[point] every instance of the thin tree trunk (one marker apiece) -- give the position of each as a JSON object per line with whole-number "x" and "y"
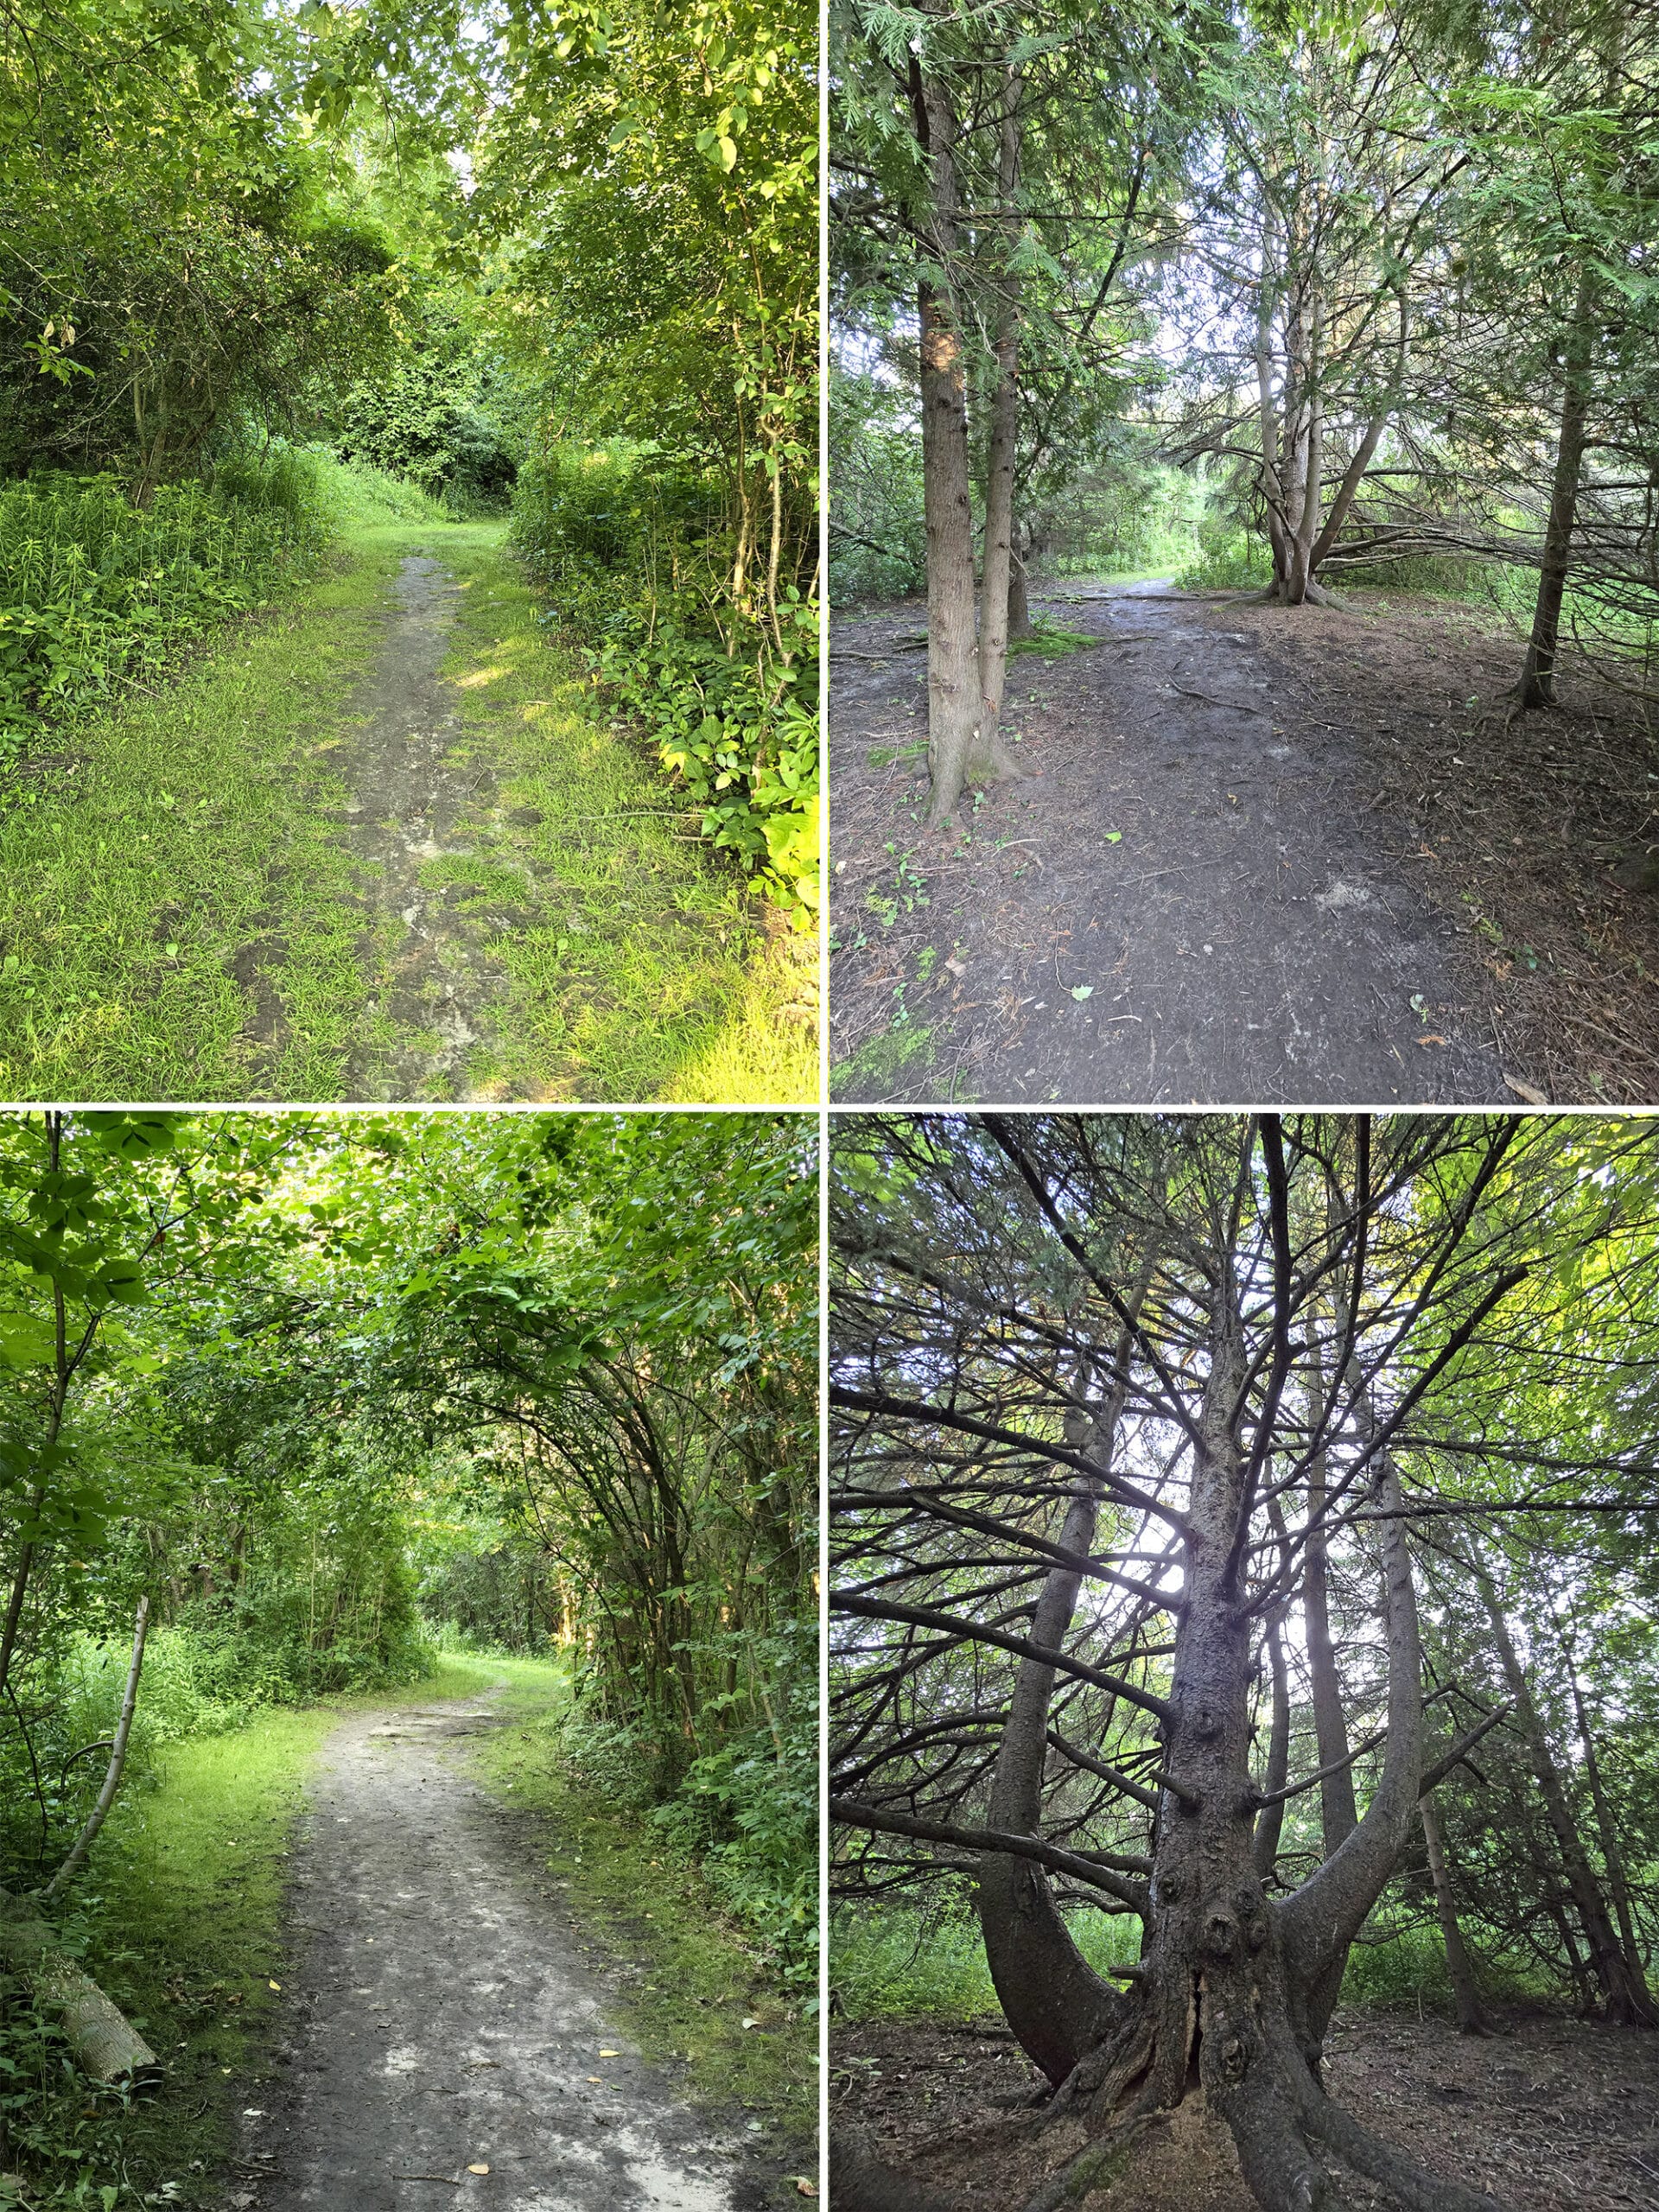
{"x": 1459, "y": 1967}
{"x": 1004, "y": 430}
{"x": 99, "y": 1812}
{"x": 1624, "y": 1993}
{"x": 1020, "y": 592}
{"x": 1606, "y": 1826}
{"x": 1270, "y": 1820}
{"x": 1538, "y": 670}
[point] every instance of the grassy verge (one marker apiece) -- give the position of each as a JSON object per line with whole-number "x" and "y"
{"x": 180, "y": 1923}
{"x": 693, "y": 1997}
{"x": 177, "y": 837}
{"x": 640, "y": 967}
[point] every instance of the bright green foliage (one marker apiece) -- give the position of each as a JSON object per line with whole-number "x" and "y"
{"x": 94, "y": 589}
{"x": 433, "y": 415}
{"x": 175, "y": 253}
{"x": 283, "y": 1376}
{"x": 653, "y": 173}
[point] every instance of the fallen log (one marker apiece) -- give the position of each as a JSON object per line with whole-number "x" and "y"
{"x": 106, "y": 2046}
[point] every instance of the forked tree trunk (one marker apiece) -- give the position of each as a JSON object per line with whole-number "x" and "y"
{"x": 1226, "y": 2000}
{"x": 960, "y": 750}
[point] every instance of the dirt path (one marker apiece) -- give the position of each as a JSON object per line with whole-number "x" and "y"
{"x": 440, "y": 2018}
{"x": 412, "y": 787}
{"x": 1210, "y": 890}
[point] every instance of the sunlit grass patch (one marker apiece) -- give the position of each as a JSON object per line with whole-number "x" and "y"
{"x": 190, "y": 841}
{"x": 642, "y": 968}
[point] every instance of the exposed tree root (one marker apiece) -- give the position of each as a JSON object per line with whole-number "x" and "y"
{"x": 1097, "y": 2165}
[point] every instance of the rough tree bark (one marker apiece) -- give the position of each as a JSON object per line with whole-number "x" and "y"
{"x": 104, "y": 2044}
{"x": 1052, "y": 1998}
{"x": 1459, "y": 1967}
{"x": 961, "y": 750}
{"x": 1004, "y": 426}
{"x": 1229, "y": 1994}
{"x": 1538, "y": 669}
{"x": 1019, "y": 594}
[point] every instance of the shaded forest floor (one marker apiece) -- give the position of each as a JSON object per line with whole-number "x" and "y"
{"x": 1261, "y": 854}
{"x": 377, "y": 844}
{"x": 1553, "y": 2112}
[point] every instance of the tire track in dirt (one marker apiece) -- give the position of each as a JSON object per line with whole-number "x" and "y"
{"x": 1186, "y": 902}
{"x": 439, "y": 2019}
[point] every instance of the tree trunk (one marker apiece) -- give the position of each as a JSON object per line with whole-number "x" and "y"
{"x": 99, "y": 1812}
{"x": 1459, "y": 1967}
{"x": 105, "y": 2046}
{"x": 1624, "y": 1993}
{"x": 1052, "y": 1999}
{"x": 1019, "y": 590}
{"x": 1004, "y": 431}
{"x": 1538, "y": 670}
{"x": 960, "y": 750}
{"x": 1222, "y": 2003}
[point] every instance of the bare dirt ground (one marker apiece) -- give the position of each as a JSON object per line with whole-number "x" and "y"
{"x": 1553, "y": 2112}
{"x": 441, "y": 2018}
{"x": 1261, "y": 854}
{"x": 412, "y": 791}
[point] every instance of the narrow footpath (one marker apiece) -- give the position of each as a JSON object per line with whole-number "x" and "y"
{"x": 445, "y": 2044}
{"x": 383, "y": 844}
{"x": 1211, "y": 885}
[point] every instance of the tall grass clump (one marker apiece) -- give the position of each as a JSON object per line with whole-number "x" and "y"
{"x": 637, "y": 556}
{"x": 96, "y": 591}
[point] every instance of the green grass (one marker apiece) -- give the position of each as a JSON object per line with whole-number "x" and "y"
{"x": 189, "y": 841}
{"x": 900, "y": 1963}
{"x": 189, "y": 826}
{"x": 179, "y": 1921}
{"x": 635, "y": 1900}
{"x": 643, "y": 969}
{"x": 1051, "y": 639}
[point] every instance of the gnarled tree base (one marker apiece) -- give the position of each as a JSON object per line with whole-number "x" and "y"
{"x": 1296, "y": 2150}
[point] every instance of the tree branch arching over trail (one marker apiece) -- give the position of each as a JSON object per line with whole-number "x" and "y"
{"x": 1140, "y": 1422}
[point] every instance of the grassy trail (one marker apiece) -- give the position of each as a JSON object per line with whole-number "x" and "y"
{"x": 187, "y": 909}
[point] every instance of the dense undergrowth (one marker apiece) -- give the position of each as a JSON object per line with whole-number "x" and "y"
{"x": 914, "y": 1962}
{"x": 96, "y": 590}
{"x": 636, "y": 554}
{"x": 721, "y": 1997}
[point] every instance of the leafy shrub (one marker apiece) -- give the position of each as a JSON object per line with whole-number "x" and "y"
{"x": 95, "y": 590}
{"x": 1230, "y": 556}
{"x": 635, "y": 555}
{"x": 750, "y": 1810}
{"x": 433, "y": 417}
{"x": 925, "y": 1961}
